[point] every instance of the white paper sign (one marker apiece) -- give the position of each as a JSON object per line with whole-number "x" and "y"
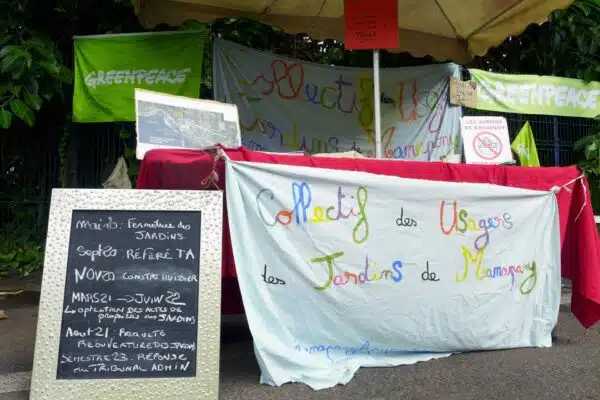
{"x": 289, "y": 105}
{"x": 486, "y": 140}
{"x": 165, "y": 121}
{"x": 343, "y": 269}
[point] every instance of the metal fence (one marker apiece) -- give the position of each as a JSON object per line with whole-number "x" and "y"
{"x": 31, "y": 167}
{"x": 29, "y": 171}
{"x": 25, "y": 191}
{"x": 554, "y": 136}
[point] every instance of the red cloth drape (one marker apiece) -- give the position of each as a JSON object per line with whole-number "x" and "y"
{"x": 186, "y": 169}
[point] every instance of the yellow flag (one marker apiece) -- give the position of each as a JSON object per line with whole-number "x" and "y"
{"x": 524, "y": 146}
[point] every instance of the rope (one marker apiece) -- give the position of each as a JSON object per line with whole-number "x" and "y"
{"x": 212, "y": 180}
{"x": 557, "y": 189}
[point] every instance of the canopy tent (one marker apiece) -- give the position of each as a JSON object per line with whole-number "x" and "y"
{"x": 444, "y": 29}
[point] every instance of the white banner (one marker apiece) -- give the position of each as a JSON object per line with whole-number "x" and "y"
{"x": 343, "y": 269}
{"x": 288, "y": 105}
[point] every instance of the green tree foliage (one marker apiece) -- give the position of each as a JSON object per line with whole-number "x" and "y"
{"x": 36, "y": 50}
{"x": 566, "y": 45}
{"x": 31, "y": 69}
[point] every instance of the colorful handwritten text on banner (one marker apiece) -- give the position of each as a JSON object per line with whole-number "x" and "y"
{"x": 532, "y": 94}
{"x": 343, "y": 269}
{"x": 286, "y": 105}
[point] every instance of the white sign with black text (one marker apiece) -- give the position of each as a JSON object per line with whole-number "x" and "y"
{"x": 486, "y": 140}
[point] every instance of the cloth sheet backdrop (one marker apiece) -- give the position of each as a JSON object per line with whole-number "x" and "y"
{"x": 534, "y": 94}
{"x": 187, "y": 169}
{"x": 289, "y": 105}
{"x": 108, "y": 68}
{"x": 344, "y": 269}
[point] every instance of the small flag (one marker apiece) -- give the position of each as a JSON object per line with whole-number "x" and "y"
{"x": 524, "y": 146}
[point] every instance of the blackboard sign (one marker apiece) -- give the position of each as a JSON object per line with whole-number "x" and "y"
{"x": 131, "y": 295}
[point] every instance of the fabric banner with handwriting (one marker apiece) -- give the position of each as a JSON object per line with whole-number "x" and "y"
{"x": 286, "y": 105}
{"x": 533, "y": 94}
{"x": 108, "y": 68}
{"x": 343, "y": 269}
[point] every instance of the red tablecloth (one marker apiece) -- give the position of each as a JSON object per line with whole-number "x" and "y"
{"x": 187, "y": 169}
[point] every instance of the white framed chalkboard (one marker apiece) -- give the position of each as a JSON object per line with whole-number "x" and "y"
{"x": 131, "y": 292}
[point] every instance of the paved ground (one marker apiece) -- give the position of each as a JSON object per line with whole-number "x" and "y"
{"x": 568, "y": 370}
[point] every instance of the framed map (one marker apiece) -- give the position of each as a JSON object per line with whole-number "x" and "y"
{"x": 175, "y": 122}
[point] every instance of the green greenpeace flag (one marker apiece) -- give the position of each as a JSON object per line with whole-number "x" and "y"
{"x": 534, "y": 94}
{"x": 109, "y": 67}
{"x": 524, "y": 146}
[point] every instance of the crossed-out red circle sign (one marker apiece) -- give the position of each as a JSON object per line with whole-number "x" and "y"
{"x": 487, "y": 145}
